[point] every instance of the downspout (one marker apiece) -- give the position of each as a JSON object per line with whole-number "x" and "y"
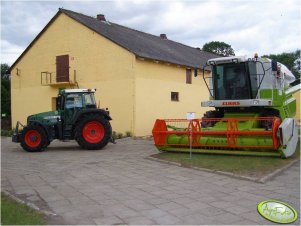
{"x": 133, "y": 129}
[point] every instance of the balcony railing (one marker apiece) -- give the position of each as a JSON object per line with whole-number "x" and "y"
{"x": 50, "y": 79}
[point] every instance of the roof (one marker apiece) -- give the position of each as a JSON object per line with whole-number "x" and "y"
{"x": 141, "y": 44}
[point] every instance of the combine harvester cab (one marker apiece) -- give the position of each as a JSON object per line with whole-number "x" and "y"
{"x": 254, "y": 110}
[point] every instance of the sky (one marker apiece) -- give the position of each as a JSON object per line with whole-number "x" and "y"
{"x": 249, "y": 26}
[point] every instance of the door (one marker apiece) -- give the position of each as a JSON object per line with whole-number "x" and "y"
{"x": 73, "y": 104}
{"x": 62, "y": 68}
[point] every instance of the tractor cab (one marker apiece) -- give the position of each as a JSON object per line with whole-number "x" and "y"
{"x": 75, "y": 99}
{"x": 234, "y": 78}
{"x": 71, "y": 101}
{"x": 234, "y": 81}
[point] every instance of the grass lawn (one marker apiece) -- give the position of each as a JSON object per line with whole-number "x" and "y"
{"x": 253, "y": 166}
{"x": 14, "y": 213}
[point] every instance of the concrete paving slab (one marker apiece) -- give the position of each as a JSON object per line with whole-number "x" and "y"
{"x": 139, "y": 221}
{"x": 108, "y": 221}
{"x": 167, "y": 219}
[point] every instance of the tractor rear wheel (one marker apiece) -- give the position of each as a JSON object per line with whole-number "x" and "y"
{"x": 93, "y": 132}
{"x": 33, "y": 138}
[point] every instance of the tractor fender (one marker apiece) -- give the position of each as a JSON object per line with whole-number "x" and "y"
{"x": 102, "y": 112}
{"x": 47, "y": 129}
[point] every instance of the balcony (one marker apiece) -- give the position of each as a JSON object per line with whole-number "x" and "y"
{"x": 50, "y": 79}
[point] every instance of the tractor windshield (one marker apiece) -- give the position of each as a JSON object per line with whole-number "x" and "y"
{"x": 80, "y": 100}
{"x": 231, "y": 82}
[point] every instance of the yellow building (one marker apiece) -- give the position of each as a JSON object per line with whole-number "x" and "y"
{"x": 139, "y": 77}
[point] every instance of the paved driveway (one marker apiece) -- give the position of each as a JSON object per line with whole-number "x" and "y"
{"x": 118, "y": 185}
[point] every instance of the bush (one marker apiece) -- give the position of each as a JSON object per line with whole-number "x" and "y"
{"x": 128, "y": 134}
{"x": 6, "y": 133}
{"x": 114, "y": 135}
{"x": 6, "y": 123}
{"x": 119, "y": 135}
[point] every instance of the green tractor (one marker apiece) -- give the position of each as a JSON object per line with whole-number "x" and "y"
{"x": 76, "y": 118}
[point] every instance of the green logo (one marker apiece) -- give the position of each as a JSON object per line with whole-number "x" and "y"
{"x": 278, "y": 212}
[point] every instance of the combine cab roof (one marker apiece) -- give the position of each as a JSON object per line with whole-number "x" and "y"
{"x": 225, "y": 60}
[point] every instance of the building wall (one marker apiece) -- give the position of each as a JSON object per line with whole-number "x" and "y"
{"x": 94, "y": 59}
{"x": 154, "y": 84}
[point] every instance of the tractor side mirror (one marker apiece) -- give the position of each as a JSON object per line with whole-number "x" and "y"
{"x": 195, "y": 72}
{"x": 274, "y": 65}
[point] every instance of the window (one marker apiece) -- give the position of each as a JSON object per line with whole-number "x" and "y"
{"x": 174, "y": 96}
{"x": 188, "y": 76}
{"x": 89, "y": 99}
{"x": 230, "y": 82}
{"x": 74, "y": 101}
{"x": 254, "y": 78}
{"x": 53, "y": 103}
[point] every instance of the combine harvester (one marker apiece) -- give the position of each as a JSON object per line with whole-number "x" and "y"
{"x": 254, "y": 110}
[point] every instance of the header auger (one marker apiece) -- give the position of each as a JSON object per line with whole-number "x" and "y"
{"x": 254, "y": 110}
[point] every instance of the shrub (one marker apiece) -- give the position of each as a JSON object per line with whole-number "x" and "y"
{"x": 128, "y": 134}
{"x": 119, "y": 135}
{"x": 6, "y": 133}
{"x": 114, "y": 135}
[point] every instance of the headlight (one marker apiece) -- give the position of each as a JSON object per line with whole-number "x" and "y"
{"x": 255, "y": 102}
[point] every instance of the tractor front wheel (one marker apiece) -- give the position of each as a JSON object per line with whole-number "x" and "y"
{"x": 33, "y": 138}
{"x": 93, "y": 132}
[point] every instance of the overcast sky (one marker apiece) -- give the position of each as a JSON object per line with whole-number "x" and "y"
{"x": 248, "y": 26}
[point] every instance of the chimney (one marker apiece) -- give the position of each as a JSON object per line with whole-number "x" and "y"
{"x": 198, "y": 48}
{"x": 163, "y": 36}
{"x": 101, "y": 17}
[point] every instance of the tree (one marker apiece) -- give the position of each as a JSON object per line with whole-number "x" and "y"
{"x": 219, "y": 48}
{"x": 291, "y": 60}
{"x": 5, "y": 90}
{"x": 4, "y": 71}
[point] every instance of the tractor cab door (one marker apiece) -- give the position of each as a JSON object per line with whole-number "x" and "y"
{"x": 73, "y": 104}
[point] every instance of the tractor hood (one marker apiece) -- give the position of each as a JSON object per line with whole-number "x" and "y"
{"x": 49, "y": 117}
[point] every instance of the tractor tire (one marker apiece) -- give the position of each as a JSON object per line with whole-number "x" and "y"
{"x": 34, "y": 138}
{"x": 208, "y": 115}
{"x": 93, "y": 132}
{"x": 47, "y": 143}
